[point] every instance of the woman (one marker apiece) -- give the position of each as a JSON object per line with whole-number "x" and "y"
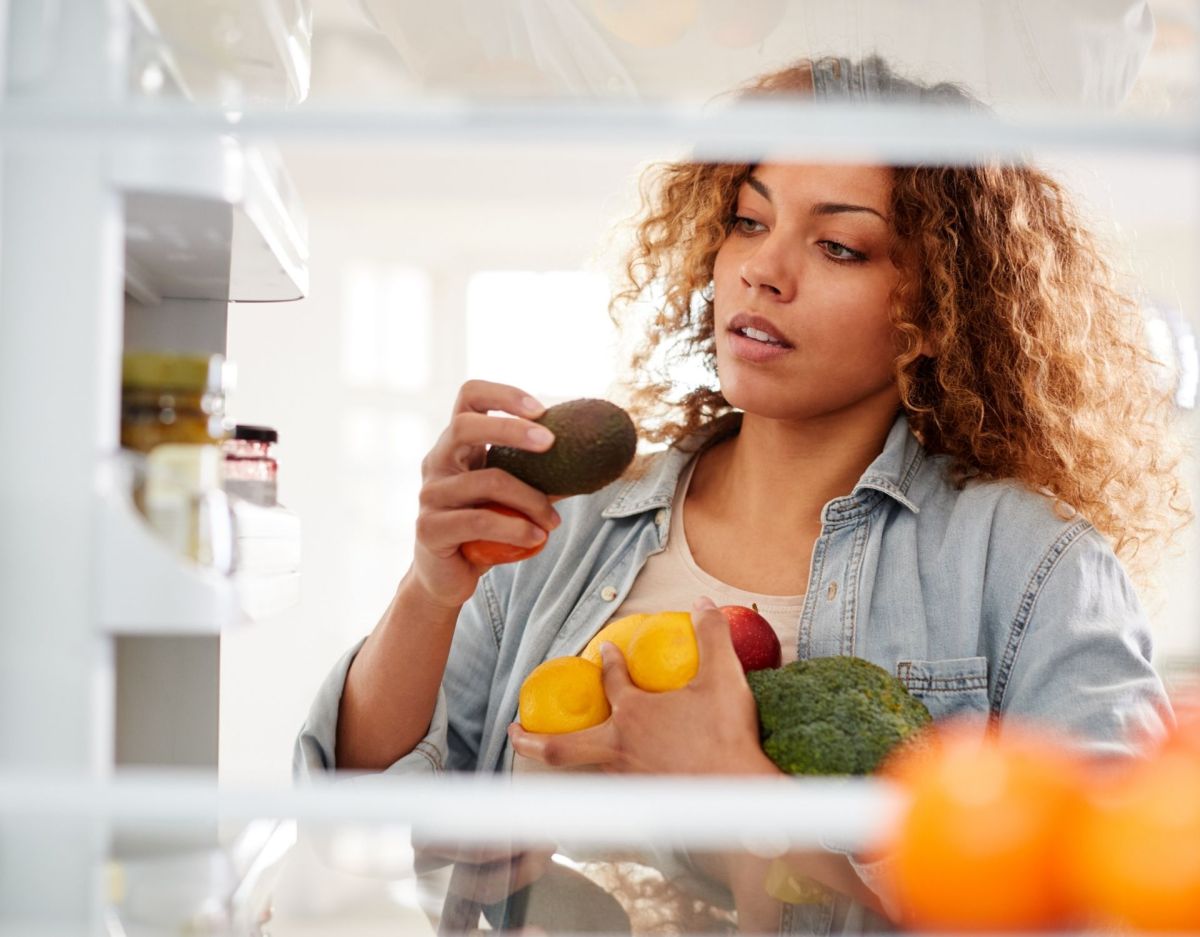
{"x": 932, "y": 440}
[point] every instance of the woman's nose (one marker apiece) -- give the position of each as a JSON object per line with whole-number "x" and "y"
{"x": 767, "y": 269}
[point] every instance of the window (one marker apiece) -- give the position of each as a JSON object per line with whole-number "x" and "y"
{"x": 386, "y": 313}
{"x": 547, "y": 333}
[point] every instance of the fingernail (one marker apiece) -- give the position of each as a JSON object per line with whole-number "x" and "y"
{"x": 555, "y": 518}
{"x": 703, "y": 604}
{"x": 538, "y": 535}
{"x": 532, "y": 406}
{"x": 540, "y": 436}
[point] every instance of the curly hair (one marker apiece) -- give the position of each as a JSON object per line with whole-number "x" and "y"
{"x": 1039, "y": 372}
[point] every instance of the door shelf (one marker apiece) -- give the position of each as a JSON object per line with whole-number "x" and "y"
{"x": 144, "y": 587}
{"x": 211, "y": 219}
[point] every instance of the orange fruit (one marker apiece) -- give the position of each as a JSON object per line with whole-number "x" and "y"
{"x": 618, "y": 632}
{"x": 493, "y": 552}
{"x": 662, "y": 652}
{"x": 1136, "y": 855}
{"x": 563, "y": 694}
{"x": 1186, "y": 734}
{"x": 979, "y": 847}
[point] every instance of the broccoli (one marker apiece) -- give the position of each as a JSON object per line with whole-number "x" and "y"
{"x": 833, "y": 715}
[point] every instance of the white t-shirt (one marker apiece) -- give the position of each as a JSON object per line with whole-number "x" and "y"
{"x": 672, "y": 581}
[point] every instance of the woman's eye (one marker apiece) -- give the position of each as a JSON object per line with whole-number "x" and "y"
{"x": 747, "y": 225}
{"x": 841, "y": 251}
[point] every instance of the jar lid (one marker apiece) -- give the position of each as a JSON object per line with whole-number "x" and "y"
{"x": 255, "y": 433}
{"x": 187, "y": 372}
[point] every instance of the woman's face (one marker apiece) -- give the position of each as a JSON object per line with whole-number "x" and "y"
{"x": 802, "y": 292}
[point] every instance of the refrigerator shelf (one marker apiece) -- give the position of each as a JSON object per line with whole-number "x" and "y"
{"x": 211, "y": 219}
{"x": 145, "y": 588}
{"x": 842, "y": 812}
{"x": 738, "y": 131}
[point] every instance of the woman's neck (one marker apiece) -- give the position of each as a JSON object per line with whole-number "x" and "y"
{"x": 777, "y": 475}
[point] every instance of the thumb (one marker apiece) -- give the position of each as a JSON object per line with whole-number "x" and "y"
{"x": 616, "y": 672}
{"x": 713, "y": 639}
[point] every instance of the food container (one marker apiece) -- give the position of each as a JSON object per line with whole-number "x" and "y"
{"x": 167, "y": 398}
{"x": 251, "y": 468}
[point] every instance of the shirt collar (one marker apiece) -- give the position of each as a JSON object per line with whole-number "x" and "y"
{"x": 891, "y": 473}
{"x": 896, "y": 466}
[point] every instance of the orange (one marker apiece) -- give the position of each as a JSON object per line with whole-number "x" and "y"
{"x": 618, "y": 632}
{"x": 979, "y": 845}
{"x": 493, "y": 552}
{"x": 1186, "y": 734}
{"x": 563, "y": 694}
{"x": 1136, "y": 857}
{"x": 662, "y": 652}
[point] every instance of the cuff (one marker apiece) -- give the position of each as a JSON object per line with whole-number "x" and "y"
{"x": 314, "y": 753}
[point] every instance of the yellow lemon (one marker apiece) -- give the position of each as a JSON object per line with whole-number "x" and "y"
{"x": 563, "y": 694}
{"x": 618, "y": 632}
{"x": 662, "y": 652}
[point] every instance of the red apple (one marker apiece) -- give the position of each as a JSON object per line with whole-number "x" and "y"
{"x": 754, "y": 640}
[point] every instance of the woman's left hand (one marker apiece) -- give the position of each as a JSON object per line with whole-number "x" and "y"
{"x": 709, "y": 726}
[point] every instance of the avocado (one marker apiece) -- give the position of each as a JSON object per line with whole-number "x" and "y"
{"x": 594, "y": 442}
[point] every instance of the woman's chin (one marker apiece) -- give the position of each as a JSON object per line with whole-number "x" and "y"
{"x": 760, "y": 394}
{"x": 767, "y": 405}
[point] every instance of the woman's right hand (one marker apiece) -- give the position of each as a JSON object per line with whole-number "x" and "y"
{"x": 455, "y": 485}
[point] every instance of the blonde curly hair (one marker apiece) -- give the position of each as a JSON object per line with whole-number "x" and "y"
{"x": 1040, "y": 371}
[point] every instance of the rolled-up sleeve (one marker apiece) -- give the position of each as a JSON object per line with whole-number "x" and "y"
{"x": 452, "y": 741}
{"x": 315, "y": 747}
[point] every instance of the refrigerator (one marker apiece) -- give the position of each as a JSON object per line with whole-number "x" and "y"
{"x": 357, "y": 205}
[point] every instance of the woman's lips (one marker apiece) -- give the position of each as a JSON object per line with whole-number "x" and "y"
{"x": 749, "y": 349}
{"x": 753, "y": 338}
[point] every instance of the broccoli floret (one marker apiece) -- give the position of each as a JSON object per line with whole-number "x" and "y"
{"x": 833, "y": 715}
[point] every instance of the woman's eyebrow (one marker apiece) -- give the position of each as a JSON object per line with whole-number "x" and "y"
{"x": 821, "y": 208}
{"x": 759, "y": 186}
{"x": 839, "y": 208}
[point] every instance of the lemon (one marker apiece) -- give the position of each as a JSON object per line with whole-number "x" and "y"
{"x": 662, "y": 652}
{"x": 618, "y": 632}
{"x": 563, "y": 694}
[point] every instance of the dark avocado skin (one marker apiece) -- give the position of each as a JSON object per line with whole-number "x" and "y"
{"x": 594, "y": 442}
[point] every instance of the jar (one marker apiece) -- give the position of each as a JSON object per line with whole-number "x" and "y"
{"x": 167, "y": 398}
{"x": 185, "y": 504}
{"x": 250, "y": 465}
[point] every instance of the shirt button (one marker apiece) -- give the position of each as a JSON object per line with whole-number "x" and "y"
{"x": 608, "y": 593}
{"x": 831, "y": 592}
{"x": 660, "y": 516}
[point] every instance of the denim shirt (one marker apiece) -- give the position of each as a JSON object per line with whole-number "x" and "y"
{"x": 982, "y": 600}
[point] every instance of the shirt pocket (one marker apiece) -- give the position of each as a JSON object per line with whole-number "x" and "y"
{"x": 956, "y": 687}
